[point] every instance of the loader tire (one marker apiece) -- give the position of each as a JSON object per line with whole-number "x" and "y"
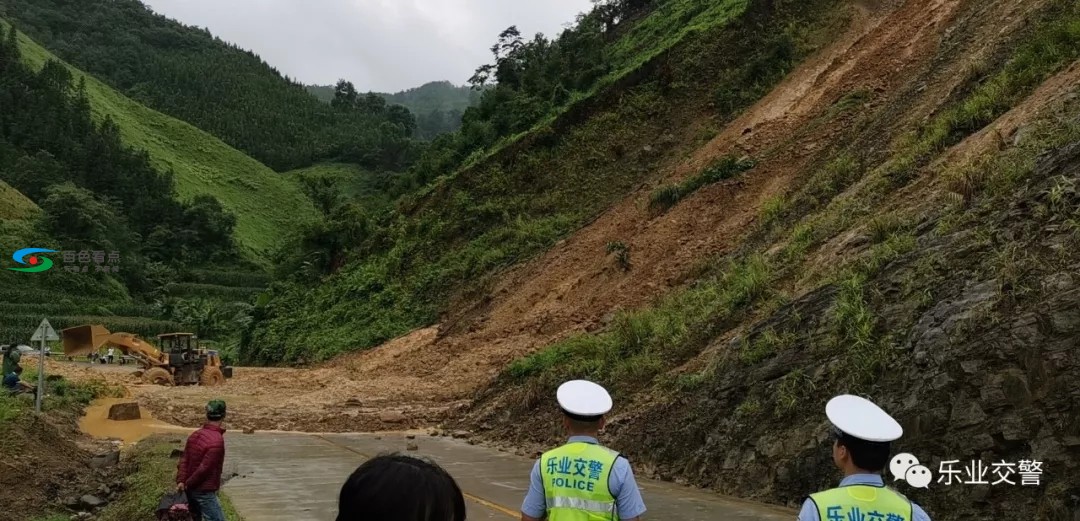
{"x": 158, "y": 376}
{"x": 211, "y": 376}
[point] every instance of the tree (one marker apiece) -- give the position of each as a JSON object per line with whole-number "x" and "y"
{"x": 79, "y": 219}
{"x": 344, "y": 95}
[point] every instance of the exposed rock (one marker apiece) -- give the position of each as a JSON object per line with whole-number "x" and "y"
{"x": 966, "y": 414}
{"x": 412, "y": 446}
{"x": 461, "y": 434}
{"x": 91, "y": 501}
{"x": 105, "y": 460}
{"x": 249, "y": 430}
{"x": 124, "y": 412}
{"x": 392, "y": 417}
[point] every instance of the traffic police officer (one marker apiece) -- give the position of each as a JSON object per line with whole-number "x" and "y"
{"x": 862, "y": 432}
{"x": 582, "y": 480}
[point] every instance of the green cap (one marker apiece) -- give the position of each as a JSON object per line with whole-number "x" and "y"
{"x": 215, "y": 410}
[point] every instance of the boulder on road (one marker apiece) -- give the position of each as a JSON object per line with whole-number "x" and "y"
{"x": 125, "y": 412}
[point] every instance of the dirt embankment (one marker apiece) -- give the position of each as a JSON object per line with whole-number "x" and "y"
{"x": 46, "y": 466}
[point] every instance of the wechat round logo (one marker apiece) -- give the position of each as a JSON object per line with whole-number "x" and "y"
{"x": 906, "y": 467}
{"x": 32, "y": 259}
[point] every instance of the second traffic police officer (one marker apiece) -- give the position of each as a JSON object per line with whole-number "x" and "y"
{"x": 582, "y": 480}
{"x": 862, "y": 432}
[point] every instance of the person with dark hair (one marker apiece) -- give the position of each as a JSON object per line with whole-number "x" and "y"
{"x": 198, "y": 473}
{"x": 582, "y": 480}
{"x": 397, "y": 487}
{"x": 862, "y": 433}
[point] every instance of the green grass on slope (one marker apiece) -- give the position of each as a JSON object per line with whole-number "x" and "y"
{"x": 151, "y": 476}
{"x": 266, "y": 204}
{"x": 15, "y": 205}
{"x": 354, "y": 183}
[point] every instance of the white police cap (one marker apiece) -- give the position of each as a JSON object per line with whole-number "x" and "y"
{"x": 860, "y": 418}
{"x": 583, "y": 398}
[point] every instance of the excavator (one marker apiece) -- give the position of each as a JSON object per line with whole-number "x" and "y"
{"x": 180, "y": 361}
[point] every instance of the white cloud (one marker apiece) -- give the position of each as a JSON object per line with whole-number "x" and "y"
{"x": 381, "y": 45}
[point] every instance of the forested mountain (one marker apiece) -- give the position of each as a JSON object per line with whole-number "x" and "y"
{"x": 438, "y": 105}
{"x": 188, "y": 73}
{"x": 95, "y": 192}
{"x": 384, "y": 274}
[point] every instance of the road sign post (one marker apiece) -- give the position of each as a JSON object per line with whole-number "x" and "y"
{"x": 43, "y": 333}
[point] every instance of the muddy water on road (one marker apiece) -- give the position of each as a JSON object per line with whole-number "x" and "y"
{"x": 96, "y": 423}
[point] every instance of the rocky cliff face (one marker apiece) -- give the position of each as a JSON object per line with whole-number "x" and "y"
{"x": 987, "y": 372}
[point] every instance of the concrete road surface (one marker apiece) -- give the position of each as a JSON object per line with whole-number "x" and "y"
{"x": 297, "y": 477}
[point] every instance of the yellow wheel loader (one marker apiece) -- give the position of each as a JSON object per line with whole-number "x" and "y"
{"x": 180, "y": 361}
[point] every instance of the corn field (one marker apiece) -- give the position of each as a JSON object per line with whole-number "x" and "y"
{"x": 213, "y": 291}
{"x": 19, "y": 328}
{"x": 234, "y": 279}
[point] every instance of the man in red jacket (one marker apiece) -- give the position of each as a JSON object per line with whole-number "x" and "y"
{"x": 199, "y": 471}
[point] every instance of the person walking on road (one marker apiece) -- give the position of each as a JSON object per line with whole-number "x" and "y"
{"x": 582, "y": 480}
{"x": 862, "y": 433}
{"x": 199, "y": 471}
{"x": 397, "y": 487}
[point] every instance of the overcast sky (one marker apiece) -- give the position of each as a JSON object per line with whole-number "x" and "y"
{"x": 379, "y": 45}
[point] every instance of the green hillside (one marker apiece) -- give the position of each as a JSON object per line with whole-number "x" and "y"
{"x": 438, "y": 105}
{"x": 15, "y": 205}
{"x": 188, "y": 73}
{"x": 371, "y": 190}
{"x": 203, "y": 165}
{"x": 509, "y": 202}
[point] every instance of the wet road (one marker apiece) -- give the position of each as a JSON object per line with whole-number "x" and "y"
{"x": 287, "y": 476}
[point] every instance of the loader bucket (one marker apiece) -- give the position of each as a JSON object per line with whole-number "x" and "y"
{"x": 83, "y": 340}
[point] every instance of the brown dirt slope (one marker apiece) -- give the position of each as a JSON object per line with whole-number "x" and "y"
{"x": 971, "y": 308}
{"x": 960, "y": 268}
{"x": 43, "y": 463}
{"x": 907, "y": 57}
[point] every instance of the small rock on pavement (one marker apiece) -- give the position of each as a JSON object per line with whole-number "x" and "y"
{"x": 90, "y": 501}
{"x": 412, "y": 446}
{"x": 410, "y": 436}
{"x": 461, "y": 434}
{"x": 434, "y": 433}
{"x": 125, "y": 412}
{"x": 249, "y": 430}
{"x": 107, "y": 459}
{"x": 392, "y": 417}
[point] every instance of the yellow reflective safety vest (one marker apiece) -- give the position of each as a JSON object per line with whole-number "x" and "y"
{"x": 862, "y": 503}
{"x": 576, "y": 482}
